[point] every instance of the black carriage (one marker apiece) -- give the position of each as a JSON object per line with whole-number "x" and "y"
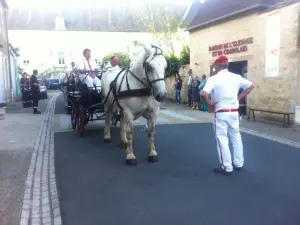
{"x": 85, "y": 104}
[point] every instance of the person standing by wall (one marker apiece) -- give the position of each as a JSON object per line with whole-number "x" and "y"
{"x": 195, "y": 94}
{"x": 190, "y": 82}
{"x": 178, "y": 89}
{"x": 35, "y": 92}
{"x": 24, "y": 86}
{"x": 203, "y": 106}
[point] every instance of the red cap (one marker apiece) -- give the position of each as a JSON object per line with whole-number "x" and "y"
{"x": 221, "y": 59}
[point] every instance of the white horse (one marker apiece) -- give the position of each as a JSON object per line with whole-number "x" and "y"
{"x": 136, "y": 91}
{"x": 64, "y": 82}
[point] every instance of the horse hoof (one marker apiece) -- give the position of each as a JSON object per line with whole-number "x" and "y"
{"x": 107, "y": 140}
{"x": 153, "y": 158}
{"x": 131, "y": 162}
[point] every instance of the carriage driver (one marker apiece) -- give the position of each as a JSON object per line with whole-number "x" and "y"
{"x": 112, "y": 64}
{"x": 86, "y": 63}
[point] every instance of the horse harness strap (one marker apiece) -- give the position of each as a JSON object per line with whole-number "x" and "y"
{"x": 142, "y": 92}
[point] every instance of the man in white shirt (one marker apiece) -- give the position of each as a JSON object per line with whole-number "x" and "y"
{"x": 223, "y": 89}
{"x": 86, "y": 63}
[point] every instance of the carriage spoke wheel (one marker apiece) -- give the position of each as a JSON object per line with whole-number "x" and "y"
{"x": 73, "y": 118}
{"x": 81, "y": 123}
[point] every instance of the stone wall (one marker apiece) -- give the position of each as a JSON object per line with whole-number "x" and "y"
{"x": 272, "y": 93}
{"x": 170, "y": 81}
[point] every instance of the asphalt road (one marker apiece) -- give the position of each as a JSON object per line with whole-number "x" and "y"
{"x": 97, "y": 188}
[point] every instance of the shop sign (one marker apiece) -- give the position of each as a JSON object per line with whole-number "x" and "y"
{"x": 232, "y": 47}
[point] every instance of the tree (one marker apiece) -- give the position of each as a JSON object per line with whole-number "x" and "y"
{"x": 185, "y": 55}
{"x": 165, "y": 27}
{"x": 173, "y": 65}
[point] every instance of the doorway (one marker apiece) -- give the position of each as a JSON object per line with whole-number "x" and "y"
{"x": 241, "y": 68}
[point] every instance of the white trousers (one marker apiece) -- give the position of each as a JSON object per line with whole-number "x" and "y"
{"x": 226, "y": 126}
{"x": 90, "y": 82}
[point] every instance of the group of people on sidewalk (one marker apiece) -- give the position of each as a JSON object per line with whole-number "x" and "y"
{"x": 195, "y": 100}
{"x": 194, "y": 87}
{"x": 30, "y": 89}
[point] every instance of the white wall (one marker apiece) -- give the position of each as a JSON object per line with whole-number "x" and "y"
{"x": 14, "y": 74}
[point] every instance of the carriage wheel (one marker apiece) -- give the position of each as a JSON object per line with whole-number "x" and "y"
{"x": 81, "y": 123}
{"x": 73, "y": 117}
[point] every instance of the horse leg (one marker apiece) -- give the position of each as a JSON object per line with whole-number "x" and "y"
{"x": 152, "y": 154}
{"x": 128, "y": 123}
{"x": 123, "y": 133}
{"x": 107, "y": 137}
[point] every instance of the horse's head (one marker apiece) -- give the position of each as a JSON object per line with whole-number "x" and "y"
{"x": 155, "y": 66}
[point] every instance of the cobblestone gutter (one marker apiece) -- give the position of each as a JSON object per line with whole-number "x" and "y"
{"x": 40, "y": 204}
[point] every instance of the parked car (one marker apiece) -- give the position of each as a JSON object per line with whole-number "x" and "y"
{"x": 43, "y": 89}
{"x": 53, "y": 84}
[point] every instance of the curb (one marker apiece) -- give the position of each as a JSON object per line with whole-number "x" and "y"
{"x": 40, "y": 202}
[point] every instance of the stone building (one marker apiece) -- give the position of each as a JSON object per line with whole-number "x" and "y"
{"x": 261, "y": 40}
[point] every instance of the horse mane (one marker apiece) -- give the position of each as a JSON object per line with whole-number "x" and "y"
{"x": 139, "y": 59}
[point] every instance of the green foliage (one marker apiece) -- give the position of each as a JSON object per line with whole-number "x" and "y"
{"x": 136, "y": 43}
{"x": 174, "y": 62}
{"x": 173, "y": 65}
{"x": 124, "y": 58}
{"x": 185, "y": 55}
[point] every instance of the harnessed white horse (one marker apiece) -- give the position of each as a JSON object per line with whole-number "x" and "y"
{"x": 136, "y": 91}
{"x": 64, "y": 82}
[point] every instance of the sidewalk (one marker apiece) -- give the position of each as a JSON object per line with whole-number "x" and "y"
{"x": 18, "y": 133}
{"x": 289, "y": 133}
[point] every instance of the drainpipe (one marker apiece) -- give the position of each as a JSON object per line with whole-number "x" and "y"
{"x": 8, "y": 51}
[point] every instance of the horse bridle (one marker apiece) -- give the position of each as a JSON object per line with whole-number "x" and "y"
{"x": 148, "y": 84}
{"x": 146, "y": 67}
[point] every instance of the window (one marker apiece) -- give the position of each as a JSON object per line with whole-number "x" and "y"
{"x": 25, "y": 61}
{"x": 61, "y": 58}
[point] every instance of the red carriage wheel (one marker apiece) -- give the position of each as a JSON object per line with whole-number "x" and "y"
{"x": 81, "y": 123}
{"x": 73, "y": 117}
